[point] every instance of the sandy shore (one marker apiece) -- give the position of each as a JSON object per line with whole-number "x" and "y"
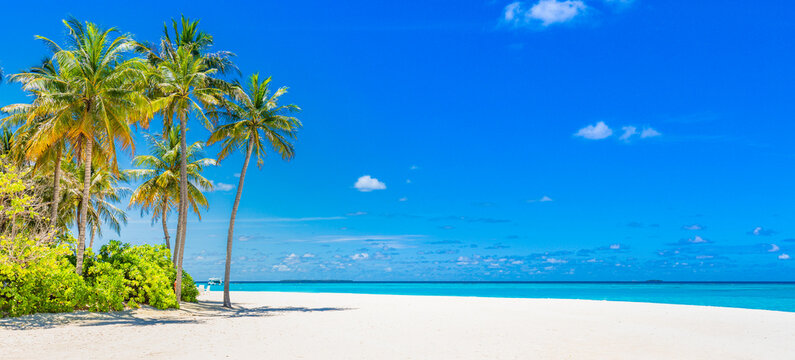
{"x": 349, "y": 326}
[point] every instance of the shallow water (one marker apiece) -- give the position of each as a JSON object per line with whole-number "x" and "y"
{"x": 766, "y": 296}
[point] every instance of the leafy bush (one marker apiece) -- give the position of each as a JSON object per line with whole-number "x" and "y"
{"x": 146, "y": 271}
{"x": 45, "y": 282}
{"x": 37, "y": 271}
{"x": 189, "y": 290}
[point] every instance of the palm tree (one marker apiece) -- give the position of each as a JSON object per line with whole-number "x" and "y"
{"x": 105, "y": 192}
{"x": 100, "y": 99}
{"x": 159, "y": 192}
{"x": 255, "y": 122}
{"x": 44, "y": 82}
{"x": 184, "y": 82}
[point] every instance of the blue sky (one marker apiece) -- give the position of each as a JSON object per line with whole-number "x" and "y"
{"x": 538, "y": 140}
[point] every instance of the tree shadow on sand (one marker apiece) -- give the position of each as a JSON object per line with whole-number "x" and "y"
{"x": 190, "y": 313}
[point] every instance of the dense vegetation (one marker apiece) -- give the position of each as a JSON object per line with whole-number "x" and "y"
{"x": 59, "y": 169}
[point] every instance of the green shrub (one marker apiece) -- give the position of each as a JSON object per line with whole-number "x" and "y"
{"x": 107, "y": 289}
{"x": 37, "y": 271}
{"x": 44, "y": 281}
{"x": 189, "y": 290}
{"x": 146, "y": 270}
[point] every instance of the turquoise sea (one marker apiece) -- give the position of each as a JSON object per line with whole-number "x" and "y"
{"x": 766, "y": 296}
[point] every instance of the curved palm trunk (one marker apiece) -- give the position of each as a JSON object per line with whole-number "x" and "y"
{"x": 56, "y": 191}
{"x": 93, "y": 232}
{"x": 165, "y": 225}
{"x": 81, "y": 237}
{"x": 231, "y": 233}
{"x": 183, "y": 203}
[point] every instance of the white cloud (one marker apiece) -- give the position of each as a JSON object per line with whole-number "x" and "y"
{"x": 280, "y": 268}
{"x": 360, "y": 256}
{"x": 595, "y": 132}
{"x": 291, "y": 259}
{"x": 221, "y": 186}
{"x": 367, "y": 183}
{"x": 615, "y": 246}
{"x": 414, "y": 167}
{"x": 556, "y": 261}
{"x": 783, "y": 257}
{"x": 697, "y": 240}
{"x": 548, "y": 12}
{"x": 542, "y": 199}
{"x": 628, "y": 132}
{"x": 553, "y": 11}
{"x": 649, "y": 132}
{"x": 308, "y": 255}
{"x": 773, "y": 248}
{"x": 632, "y": 131}
{"x": 693, "y": 227}
{"x": 403, "y": 199}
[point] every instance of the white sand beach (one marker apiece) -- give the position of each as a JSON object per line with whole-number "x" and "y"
{"x": 272, "y": 325}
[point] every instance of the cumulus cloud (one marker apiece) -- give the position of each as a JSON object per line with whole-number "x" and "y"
{"x": 649, "y": 132}
{"x": 615, "y": 246}
{"x": 308, "y": 256}
{"x": 367, "y": 183}
{"x": 221, "y": 186}
{"x": 773, "y": 248}
{"x": 628, "y": 132}
{"x": 280, "y": 268}
{"x": 692, "y": 241}
{"x": 595, "y": 132}
{"x": 631, "y": 132}
{"x": 556, "y": 261}
{"x": 291, "y": 259}
{"x": 545, "y": 12}
{"x": 360, "y": 256}
{"x": 542, "y": 199}
{"x": 760, "y": 231}
{"x": 698, "y": 240}
{"x": 783, "y": 257}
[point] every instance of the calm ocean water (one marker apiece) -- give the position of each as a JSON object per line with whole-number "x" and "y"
{"x": 767, "y": 296}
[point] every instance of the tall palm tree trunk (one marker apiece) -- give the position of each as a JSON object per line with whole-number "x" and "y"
{"x": 56, "y": 190}
{"x": 93, "y": 232}
{"x": 81, "y": 237}
{"x": 164, "y": 210}
{"x": 183, "y": 202}
{"x": 231, "y": 233}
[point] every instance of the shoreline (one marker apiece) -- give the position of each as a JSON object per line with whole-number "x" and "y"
{"x": 496, "y": 297}
{"x": 288, "y": 325}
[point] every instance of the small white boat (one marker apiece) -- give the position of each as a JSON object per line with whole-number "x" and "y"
{"x": 215, "y": 281}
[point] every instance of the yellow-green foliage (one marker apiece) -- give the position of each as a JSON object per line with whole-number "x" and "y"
{"x": 47, "y": 283}
{"x": 146, "y": 271}
{"x": 37, "y": 272}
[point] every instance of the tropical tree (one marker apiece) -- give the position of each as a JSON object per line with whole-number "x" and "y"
{"x": 105, "y": 192}
{"x": 255, "y": 122}
{"x": 45, "y": 82}
{"x": 101, "y": 99}
{"x": 184, "y": 82}
{"x": 160, "y": 173}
